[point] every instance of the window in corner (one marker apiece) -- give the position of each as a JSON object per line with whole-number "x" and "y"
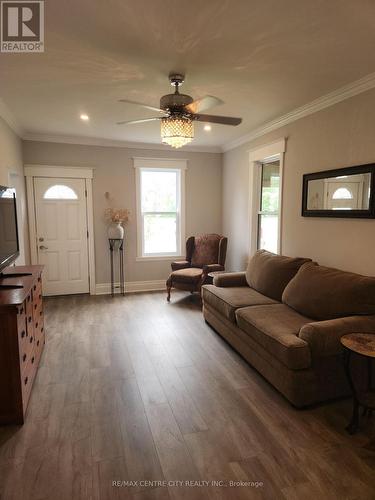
{"x": 269, "y": 207}
{"x": 60, "y": 192}
{"x": 159, "y": 211}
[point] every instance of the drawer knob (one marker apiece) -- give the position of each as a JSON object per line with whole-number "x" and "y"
{"x": 42, "y": 329}
{"x": 40, "y": 296}
{"x": 41, "y": 313}
{"x": 37, "y": 343}
{"x": 23, "y": 333}
{"x": 35, "y": 306}
{"x": 36, "y": 326}
{"x": 24, "y": 358}
{"x": 20, "y": 311}
{"x": 29, "y": 319}
{"x": 31, "y": 340}
{"x": 32, "y": 359}
{"x": 34, "y": 287}
{"x": 26, "y": 380}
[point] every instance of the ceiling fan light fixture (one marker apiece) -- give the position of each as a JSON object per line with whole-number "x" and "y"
{"x": 176, "y": 131}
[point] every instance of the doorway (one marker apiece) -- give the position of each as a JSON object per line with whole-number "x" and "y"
{"x": 60, "y": 217}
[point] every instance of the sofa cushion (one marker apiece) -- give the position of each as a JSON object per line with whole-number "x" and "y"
{"x": 327, "y": 293}
{"x": 227, "y": 300}
{"x": 275, "y": 327}
{"x": 269, "y": 273}
{"x": 188, "y": 275}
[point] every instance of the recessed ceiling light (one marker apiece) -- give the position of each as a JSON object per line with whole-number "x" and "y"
{"x": 207, "y": 128}
{"x": 84, "y": 117}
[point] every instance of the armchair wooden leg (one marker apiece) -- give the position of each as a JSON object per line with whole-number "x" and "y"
{"x": 169, "y": 293}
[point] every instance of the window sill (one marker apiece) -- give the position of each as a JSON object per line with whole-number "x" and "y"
{"x": 159, "y": 257}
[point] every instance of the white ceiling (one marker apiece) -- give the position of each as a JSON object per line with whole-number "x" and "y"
{"x": 263, "y": 58}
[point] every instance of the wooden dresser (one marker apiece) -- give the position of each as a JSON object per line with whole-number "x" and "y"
{"x": 21, "y": 341}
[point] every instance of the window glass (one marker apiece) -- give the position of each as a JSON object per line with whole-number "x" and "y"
{"x": 268, "y": 232}
{"x": 269, "y": 206}
{"x": 60, "y": 192}
{"x": 160, "y": 211}
{"x": 270, "y": 188}
{"x": 160, "y": 233}
{"x": 342, "y": 194}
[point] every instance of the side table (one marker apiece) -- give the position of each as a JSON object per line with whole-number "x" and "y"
{"x": 362, "y": 344}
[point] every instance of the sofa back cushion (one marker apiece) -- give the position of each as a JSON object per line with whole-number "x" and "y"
{"x": 269, "y": 273}
{"x": 325, "y": 293}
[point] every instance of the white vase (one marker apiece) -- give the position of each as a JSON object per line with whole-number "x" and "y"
{"x": 116, "y": 231}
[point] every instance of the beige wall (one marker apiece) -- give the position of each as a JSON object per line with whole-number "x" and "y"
{"x": 339, "y": 136}
{"x": 11, "y": 172}
{"x": 114, "y": 173}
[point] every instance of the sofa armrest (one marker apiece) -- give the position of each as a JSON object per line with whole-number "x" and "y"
{"x": 230, "y": 279}
{"x": 323, "y": 337}
{"x": 180, "y": 264}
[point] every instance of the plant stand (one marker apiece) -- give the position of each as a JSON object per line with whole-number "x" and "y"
{"x": 117, "y": 245}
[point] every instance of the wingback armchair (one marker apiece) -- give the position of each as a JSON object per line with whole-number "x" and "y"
{"x": 204, "y": 254}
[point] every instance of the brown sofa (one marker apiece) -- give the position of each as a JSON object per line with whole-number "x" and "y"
{"x": 286, "y": 316}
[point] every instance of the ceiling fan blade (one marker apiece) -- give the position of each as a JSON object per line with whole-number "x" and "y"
{"x": 139, "y": 121}
{"x": 153, "y": 108}
{"x": 206, "y": 102}
{"x": 223, "y": 120}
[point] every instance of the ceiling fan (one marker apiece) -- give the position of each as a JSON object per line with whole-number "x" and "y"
{"x": 177, "y": 113}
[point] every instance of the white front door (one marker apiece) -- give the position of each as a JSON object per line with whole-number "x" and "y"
{"x": 61, "y": 232}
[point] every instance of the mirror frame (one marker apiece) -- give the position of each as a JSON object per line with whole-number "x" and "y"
{"x": 342, "y": 214}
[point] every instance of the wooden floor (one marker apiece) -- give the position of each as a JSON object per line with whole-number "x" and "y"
{"x": 133, "y": 389}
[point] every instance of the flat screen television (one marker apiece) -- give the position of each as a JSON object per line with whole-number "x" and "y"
{"x": 9, "y": 243}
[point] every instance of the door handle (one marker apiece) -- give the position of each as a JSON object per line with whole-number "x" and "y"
{"x": 42, "y": 247}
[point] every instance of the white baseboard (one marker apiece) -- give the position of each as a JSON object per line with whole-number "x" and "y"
{"x": 132, "y": 286}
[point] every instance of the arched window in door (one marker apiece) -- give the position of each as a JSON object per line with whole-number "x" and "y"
{"x": 342, "y": 194}
{"x": 60, "y": 192}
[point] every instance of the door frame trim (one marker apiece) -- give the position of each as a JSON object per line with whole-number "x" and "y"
{"x": 87, "y": 174}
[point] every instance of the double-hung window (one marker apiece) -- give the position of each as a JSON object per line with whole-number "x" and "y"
{"x": 269, "y": 206}
{"x": 160, "y": 203}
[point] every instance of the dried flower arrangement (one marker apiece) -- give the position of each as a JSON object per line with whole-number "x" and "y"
{"x": 117, "y": 215}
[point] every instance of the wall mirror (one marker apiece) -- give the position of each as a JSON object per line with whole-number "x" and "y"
{"x": 345, "y": 192}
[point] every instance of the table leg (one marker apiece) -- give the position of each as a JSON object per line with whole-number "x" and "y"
{"x": 353, "y": 426}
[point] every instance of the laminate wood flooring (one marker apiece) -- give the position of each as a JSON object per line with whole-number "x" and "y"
{"x": 138, "y": 399}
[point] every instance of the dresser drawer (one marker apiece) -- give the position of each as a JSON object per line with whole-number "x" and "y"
{"x": 27, "y": 379}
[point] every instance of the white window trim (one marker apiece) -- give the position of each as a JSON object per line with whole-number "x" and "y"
{"x": 161, "y": 164}
{"x": 261, "y": 155}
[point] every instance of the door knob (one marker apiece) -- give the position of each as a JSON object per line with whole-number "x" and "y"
{"x": 41, "y": 239}
{"x": 42, "y": 247}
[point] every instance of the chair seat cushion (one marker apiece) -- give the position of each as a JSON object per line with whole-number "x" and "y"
{"x": 227, "y": 300}
{"x": 188, "y": 275}
{"x": 275, "y": 327}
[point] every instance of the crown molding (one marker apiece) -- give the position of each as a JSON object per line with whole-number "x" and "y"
{"x": 93, "y": 141}
{"x": 10, "y": 120}
{"x": 338, "y": 95}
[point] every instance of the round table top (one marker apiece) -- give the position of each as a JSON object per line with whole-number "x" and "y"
{"x": 361, "y": 343}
